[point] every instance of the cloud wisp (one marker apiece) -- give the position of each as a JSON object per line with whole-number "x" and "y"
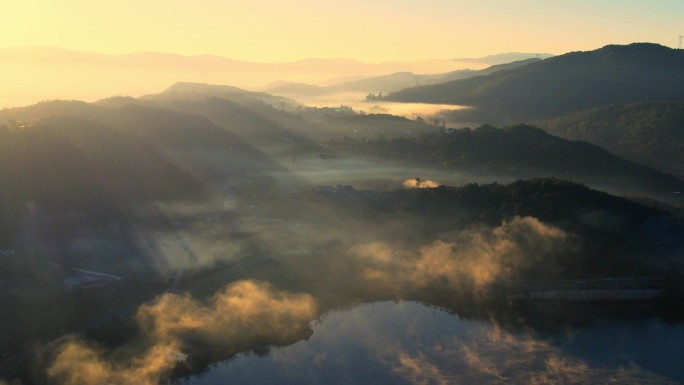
{"x": 473, "y": 258}
{"x": 233, "y": 320}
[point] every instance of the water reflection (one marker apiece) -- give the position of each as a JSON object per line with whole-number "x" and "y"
{"x": 411, "y": 343}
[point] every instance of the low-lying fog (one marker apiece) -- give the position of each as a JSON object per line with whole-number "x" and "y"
{"x": 278, "y": 247}
{"x": 374, "y": 174}
{"x": 357, "y": 101}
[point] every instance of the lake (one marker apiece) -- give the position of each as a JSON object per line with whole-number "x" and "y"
{"x": 411, "y": 343}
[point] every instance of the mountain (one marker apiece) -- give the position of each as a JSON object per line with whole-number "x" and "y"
{"x": 262, "y": 120}
{"x": 386, "y": 83}
{"x": 200, "y": 91}
{"x": 650, "y": 132}
{"x": 80, "y": 157}
{"x": 33, "y": 74}
{"x": 507, "y": 57}
{"x": 527, "y": 152}
{"x": 400, "y": 80}
{"x": 563, "y": 84}
{"x": 184, "y": 137}
{"x": 276, "y": 125}
{"x": 64, "y": 174}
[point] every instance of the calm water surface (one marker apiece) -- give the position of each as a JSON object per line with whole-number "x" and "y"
{"x": 410, "y": 343}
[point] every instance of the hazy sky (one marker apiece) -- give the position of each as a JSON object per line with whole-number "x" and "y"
{"x": 369, "y": 30}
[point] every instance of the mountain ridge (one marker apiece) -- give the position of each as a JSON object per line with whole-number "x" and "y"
{"x": 563, "y": 84}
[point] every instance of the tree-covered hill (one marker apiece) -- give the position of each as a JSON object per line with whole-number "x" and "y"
{"x": 201, "y": 91}
{"x": 376, "y": 85}
{"x": 563, "y": 84}
{"x": 68, "y": 166}
{"x": 609, "y": 234}
{"x": 401, "y": 80}
{"x": 110, "y": 165}
{"x": 167, "y": 129}
{"x": 650, "y": 132}
{"x": 523, "y": 152}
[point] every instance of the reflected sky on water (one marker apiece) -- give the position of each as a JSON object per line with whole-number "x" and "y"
{"x": 410, "y": 343}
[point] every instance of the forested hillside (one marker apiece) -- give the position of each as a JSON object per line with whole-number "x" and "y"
{"x": 649, "y": 132}
{"x": 563, "y": 84}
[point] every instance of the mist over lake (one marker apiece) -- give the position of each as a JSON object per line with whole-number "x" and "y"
{"x": 347, "y": 192}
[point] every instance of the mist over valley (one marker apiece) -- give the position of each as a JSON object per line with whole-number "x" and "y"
{"x": 442, "y": 216}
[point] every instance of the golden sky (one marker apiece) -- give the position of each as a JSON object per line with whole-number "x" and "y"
{"x": 368, "y": 30}
{"x": 404, "y": 32}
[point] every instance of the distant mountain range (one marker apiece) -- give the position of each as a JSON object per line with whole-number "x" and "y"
{"x": 563, "y": 84}
{"x": 387, "y": 83}
{"x": 32, "y": 74}
{"x": 506, "y": 57}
